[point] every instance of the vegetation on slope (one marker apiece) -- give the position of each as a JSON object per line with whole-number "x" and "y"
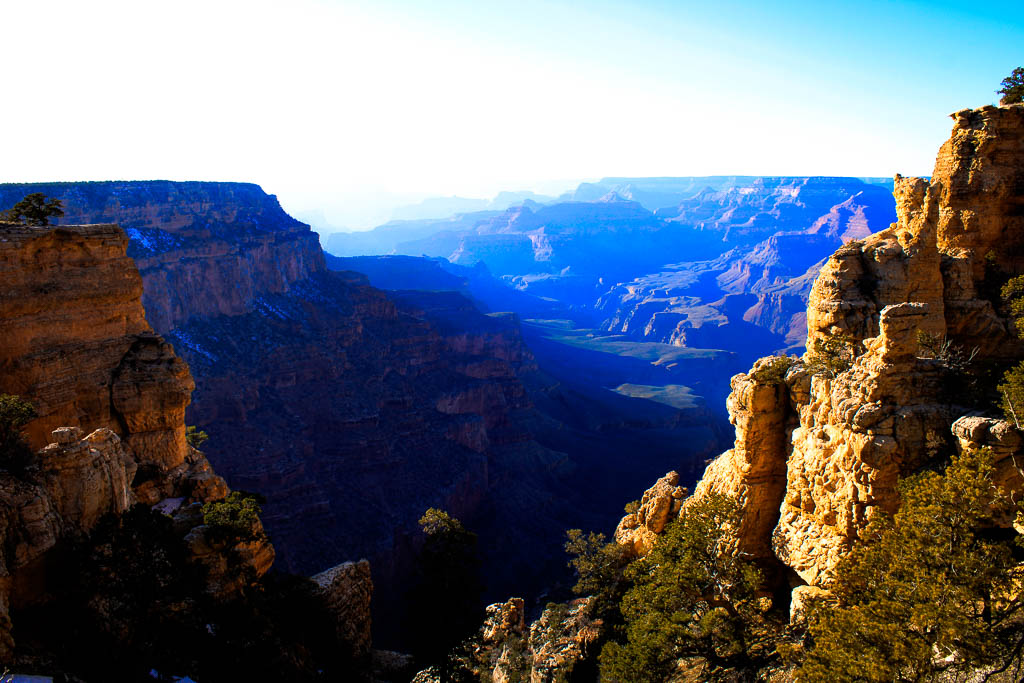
{"x": 934, "y": 590}
{"x": 15, "y": 452}
{"x": 128, "y": 601}
{"x": 931, "y": 593}
{"x": 693, "y": 598}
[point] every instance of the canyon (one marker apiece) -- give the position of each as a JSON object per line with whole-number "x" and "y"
{"x": 352, "y": 410}
{"x": 818, "y": 454}
{"x": 718, "y": 262}
{"x": 518, "y": 377}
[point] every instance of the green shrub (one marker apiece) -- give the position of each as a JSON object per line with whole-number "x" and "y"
{"x": 831, "y": 355}
{"x": 931, "y": 592}
{"x": 693, "y": 597}
{"x": 1011, "y": 390}
{"x": 773, "y": 370}
{"x": 1013, "y": 296}
{"x": 599, "y": 566}
{"x": 234, "y": 519}
{"x": 1011, "y": 393}
{"x": 195, "y": 437}
{"x": 15, "y": 452}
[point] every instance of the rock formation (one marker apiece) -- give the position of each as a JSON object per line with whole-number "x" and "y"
{"x": 506, "y": 650}
{"x": 816, "y": 458}
{"x": 659, "y": 505}
{"x": 750, "y": 299}
{"x": 76, "y": 343}
{"x": 347, "y": 590}
{"x": 203, "y": 249}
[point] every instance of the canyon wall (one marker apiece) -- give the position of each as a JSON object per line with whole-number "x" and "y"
{"x": 203, "y": 248}
{"x": 816, "y": 458}
{"x": 110, "y": 397}
{"x": 77, "y": 342}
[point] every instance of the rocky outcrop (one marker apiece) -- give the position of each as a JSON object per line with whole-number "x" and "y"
{"x": 347, "y": 590}
{"x": 816, "y": 459}
{"x": 859, "y": 433}
{"x": 888, "y": 415}
{"x": 76, "y": 343}
{"x": 69, "y": 302}
{"x": 506, "y": 650}
{"x": 78, "y": 479}
{"x": 762, "y": 407}
{"x": 763, "y": 410}
{"x": 1002, "y": 438}
{"x": 659, "y": 505}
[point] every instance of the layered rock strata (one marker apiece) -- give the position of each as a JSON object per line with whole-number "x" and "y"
{"x": 202, "y": 248}
{"x": 816, "y": 459}
{"x": 319, "y": 391}
{"x": 75, "y": 342}
{"x": 351, "y": 410}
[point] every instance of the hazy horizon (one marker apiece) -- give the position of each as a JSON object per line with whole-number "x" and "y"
{"x": 354, "y": 108}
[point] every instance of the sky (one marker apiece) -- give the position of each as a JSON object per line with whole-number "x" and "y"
{"x": 351, "y": 108}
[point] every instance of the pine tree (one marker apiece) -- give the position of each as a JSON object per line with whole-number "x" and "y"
{"x": 447, "y": 590}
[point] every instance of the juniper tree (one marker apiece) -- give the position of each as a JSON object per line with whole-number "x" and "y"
{"x": 693, "y": 597}
{"x": 34, "y": 209}
{"x": 932, "y": 591}
{"x": 1012, "y": 89}
{"x": 446, "y": 587}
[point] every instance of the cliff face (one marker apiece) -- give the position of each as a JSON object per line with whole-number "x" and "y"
{"x": 112, "y": 394}
{"x": 76, "y": 340}
{"x": 355, "y": 413}
{"x": 815, "y": 459}
{"x": 203, "y": 249}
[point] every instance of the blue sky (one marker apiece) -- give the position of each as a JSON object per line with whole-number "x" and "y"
{"x": 351, "y": 107}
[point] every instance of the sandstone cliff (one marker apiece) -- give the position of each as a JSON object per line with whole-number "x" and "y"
{"x": 110, "y": 397}
{"x": 816, "y": 458}
{"x": 202, "y": 248}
